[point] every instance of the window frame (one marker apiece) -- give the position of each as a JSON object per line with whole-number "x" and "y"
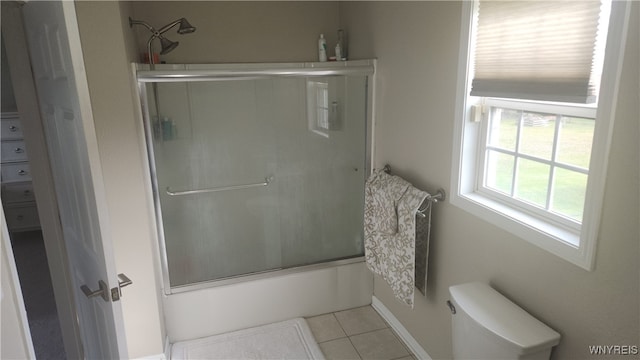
{"x": 554, "y": 109}
{"x": 577, "y": 247}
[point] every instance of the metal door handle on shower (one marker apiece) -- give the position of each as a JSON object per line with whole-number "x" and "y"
{"x": 266, "y": 182}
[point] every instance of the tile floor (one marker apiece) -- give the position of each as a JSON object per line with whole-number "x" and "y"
{"x": 358, "y": 333}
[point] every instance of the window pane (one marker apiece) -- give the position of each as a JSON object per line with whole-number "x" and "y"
{"x": 574, "y": 143}
{"x": 499, "y": 171}
{"x": 532, "y": 182}
{"x": 503, "y": 129}
{"x": 569, "y": 188}
{"x": 537, "y": 133}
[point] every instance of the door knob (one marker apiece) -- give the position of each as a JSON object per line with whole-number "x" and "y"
{"x": 103, "y": 291}
{"x": 116, "y": 292}
{"x": 123, "y": 280}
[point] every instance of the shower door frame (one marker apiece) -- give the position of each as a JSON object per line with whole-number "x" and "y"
{"x": 230, "y": 72}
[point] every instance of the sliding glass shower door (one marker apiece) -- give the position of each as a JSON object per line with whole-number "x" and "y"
{"x": 257, "y": 173}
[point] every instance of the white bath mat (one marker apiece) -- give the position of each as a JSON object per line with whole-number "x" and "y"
{"x": 291, "y": 339}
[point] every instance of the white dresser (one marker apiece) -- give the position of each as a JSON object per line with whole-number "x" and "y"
{"x": 17, "y": 191}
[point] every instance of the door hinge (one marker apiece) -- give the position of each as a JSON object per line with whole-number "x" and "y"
{"x": 116, "y": 292}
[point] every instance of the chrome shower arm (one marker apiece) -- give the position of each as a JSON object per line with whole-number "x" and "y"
{"x": 167, "y": 27}
{"x": 138, "y": 22}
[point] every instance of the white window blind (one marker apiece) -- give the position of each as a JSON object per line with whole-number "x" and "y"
{"x": 537, "y": 50}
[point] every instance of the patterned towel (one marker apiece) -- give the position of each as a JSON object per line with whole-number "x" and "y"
{"x": 390, "y": 205}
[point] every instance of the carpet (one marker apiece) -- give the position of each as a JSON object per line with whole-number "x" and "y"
{"x": 291, "y": 339}
{"x": 37, "y": 290}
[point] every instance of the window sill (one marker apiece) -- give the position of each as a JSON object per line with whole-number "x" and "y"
{"x": 555, "y": 239}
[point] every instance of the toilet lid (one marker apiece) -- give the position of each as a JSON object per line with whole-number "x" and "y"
{"x": 502, "y": 317}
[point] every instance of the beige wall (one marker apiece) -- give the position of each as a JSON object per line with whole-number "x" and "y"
{"x": 416, "y": 44}
{"x": 241, "y": 31}
{"x": 119, "y": 130}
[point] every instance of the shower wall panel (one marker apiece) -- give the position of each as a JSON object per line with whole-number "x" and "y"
{"x": 311, "y": 143}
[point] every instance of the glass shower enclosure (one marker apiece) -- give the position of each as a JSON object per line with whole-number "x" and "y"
{"x": 256, "y": 167}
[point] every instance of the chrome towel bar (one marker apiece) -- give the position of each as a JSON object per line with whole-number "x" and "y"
{"x": 266, "y": 182}
{"x": 440, "y": 195}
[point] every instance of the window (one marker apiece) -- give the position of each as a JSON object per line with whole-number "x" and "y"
{"x": 533, "y": 119}
{"x": 537, "y": 159}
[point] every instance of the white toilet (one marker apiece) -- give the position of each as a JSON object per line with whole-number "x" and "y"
{"x": 486, "y": 325}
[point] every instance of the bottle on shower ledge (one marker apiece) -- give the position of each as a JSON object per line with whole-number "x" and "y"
{"x": 342, "y": 41}
{"x": 322, "y": 48}
{"x": 338, "y": 52}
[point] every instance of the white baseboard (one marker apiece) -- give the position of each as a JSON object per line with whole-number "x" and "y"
{"x": 404, "y": 335}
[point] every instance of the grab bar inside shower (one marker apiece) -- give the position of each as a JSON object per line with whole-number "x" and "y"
{"x": 266, "y": 182}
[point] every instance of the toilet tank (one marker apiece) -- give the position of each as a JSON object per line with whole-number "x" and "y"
{"x": 486, "y": 325}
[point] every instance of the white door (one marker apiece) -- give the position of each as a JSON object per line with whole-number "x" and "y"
{"x": 58, "y": 69}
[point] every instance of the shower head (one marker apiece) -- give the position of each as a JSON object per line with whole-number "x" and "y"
{"x": 167, "y": 45}
{"x": 185, "y": 27}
